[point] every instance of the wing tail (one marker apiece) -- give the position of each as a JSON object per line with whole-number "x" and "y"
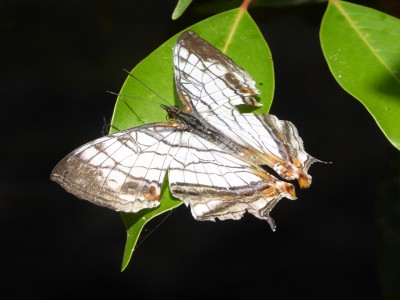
{"x": 218, "y": 185}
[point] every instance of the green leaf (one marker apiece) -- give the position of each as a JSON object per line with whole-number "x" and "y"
{"x": 233, "y": 32}
{"x": 362, "y": 48}
{"x": 222, "y": 5}
{"x": 134, "y": 223}
{"x": 180, "y": 8}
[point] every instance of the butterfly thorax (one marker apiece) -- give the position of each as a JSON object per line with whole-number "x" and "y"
{"x": 190, "y": 121}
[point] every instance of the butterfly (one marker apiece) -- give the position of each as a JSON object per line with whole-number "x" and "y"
{"x": 214, "y": 155}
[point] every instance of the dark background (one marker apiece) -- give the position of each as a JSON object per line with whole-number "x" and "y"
{"x": 59, "y": 58}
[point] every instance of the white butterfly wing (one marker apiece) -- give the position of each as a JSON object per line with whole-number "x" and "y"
{"x": 218, "y": 185}
{"x": 123, "y": 171}
{"x": 212, "y": 85}
{"x": 211, "y": 80}
{"x": 269, "y": 141}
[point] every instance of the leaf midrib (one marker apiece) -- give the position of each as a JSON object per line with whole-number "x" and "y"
{"x": 364, "y": 39}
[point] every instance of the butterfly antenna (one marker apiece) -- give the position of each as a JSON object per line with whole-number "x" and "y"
{"x": 146, "y": 86}
{"x": 151, "y": 231}
{"x": 133, "y": 97}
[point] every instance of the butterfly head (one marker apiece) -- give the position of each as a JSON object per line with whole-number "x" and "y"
{"x": 173, "y": 112}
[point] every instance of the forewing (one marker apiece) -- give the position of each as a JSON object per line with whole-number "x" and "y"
{"x": 211, "y": 84}
{"x": 218, "y": 185}
{"x": 123, "y": 171}
{"x": 207, "y": 80}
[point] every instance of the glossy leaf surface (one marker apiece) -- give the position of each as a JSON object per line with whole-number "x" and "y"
{"x": 362, "y": 48}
